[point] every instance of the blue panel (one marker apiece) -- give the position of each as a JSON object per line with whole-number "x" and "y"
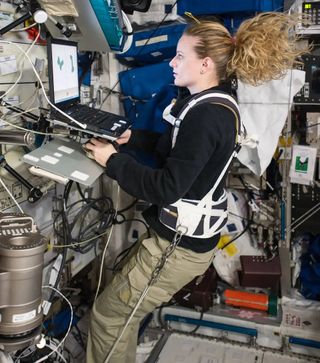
{"x": 201, "y": 7}
{"x": 304, "y": 342}
{"x": 211, "y": 324}
{"x": 153, "y": 45}
{"x": 147, "y": 91}
{"x": 232, "y": 23}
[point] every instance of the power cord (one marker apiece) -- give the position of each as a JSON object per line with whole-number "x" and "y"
{"x": 55, "y": 350}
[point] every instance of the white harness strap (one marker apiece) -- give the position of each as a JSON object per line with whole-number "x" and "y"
{"x": 201, "y": 218}
{"x": 214, "y": 97}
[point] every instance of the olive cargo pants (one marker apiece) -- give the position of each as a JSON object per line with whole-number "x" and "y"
{"x": 114, "y": 305}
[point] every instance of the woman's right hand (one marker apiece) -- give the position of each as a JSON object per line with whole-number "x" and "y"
{"x": 124, "y": 138}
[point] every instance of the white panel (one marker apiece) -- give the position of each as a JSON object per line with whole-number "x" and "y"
{"x": 188, "y": 349}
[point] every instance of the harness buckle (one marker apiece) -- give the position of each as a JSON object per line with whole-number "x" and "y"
{"x": 182, "y": 230}
{"x": 177, "y": 123}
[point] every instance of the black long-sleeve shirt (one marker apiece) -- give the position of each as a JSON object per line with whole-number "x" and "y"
{"x": 204, "y": 144}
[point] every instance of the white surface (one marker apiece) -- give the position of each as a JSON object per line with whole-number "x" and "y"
{"x": 263, "y": 111}
{"x": 188, "y": 349}
{"x": 194, "y": 349}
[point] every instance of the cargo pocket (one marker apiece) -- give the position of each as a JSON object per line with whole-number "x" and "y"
{"x": 139, "y": 281}
{"x": 120, "y": 286}
{"x": 150, "y": 253}
{"x": 139, "y": 274}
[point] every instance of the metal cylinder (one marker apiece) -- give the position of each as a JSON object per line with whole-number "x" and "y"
{"x": 21, "y": 263}
{"x": 26, "y": 138}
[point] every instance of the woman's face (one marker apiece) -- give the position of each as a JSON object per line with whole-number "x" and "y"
{"x": 186, "y": 64}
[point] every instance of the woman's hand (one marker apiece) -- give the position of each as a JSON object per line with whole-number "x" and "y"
{"x": 101, "y": 150}
{"x": 124, "y": 138}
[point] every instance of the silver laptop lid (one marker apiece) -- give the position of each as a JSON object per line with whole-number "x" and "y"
{"x": 65, "y": 158}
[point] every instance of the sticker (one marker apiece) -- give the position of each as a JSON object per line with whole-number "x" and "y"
{"x": 81, "y": 176}
{"x": 19, "y": 318}
{"x": 301, "y": 164}
{"x": 58, "y": 155}
{"x": 231, "y": 249}
{"x": 156, "y": 54}
{"x": 160, "y": 38}
{"x": 13, "y": 100}
{"x": 8, "y": 65}
{"x": 49, "y": 159}
{"x": 66, "y": 149}
{"x": 31, "y": 157}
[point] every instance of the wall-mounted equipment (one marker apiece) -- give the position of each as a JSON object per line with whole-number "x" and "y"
{"x": 32, "y": 10}
{"x": 35, "y": 193}
{"x": 21, "y": 259}
{"x": 311, "y": 25}
{"x": 97, "y": 25}
{"x": 310, "y": 92}
{"x": 14, "y": 137}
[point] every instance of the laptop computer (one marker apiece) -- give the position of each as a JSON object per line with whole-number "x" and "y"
{"x": 64, "y": 93}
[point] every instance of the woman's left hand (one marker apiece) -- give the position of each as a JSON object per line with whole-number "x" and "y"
{"x": 101, "y": 150}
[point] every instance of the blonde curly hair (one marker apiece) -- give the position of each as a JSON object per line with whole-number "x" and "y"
{"x": 263, "y": 48}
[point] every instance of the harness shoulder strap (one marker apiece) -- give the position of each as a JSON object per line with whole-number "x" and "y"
{"x": 219, "y": 98}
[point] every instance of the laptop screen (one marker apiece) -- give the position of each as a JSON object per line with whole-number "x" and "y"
{"x": 63, "y": 71}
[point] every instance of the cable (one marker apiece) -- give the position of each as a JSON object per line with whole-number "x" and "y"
{"x": 33, "y": 131}
{"x": 23, "y": 59}
{"x": 22, "y": 355}
{"x": 54, "y": 350}
{"x": 128, "y": 25}
{"x": 80, "y": 191}
{"x": 65, "y": 238}
{"x": 302, "y": 128}
{"x": 82, "y": 242}
{"x": 83, "y": 126}
{"x": 105, "y": 216}
{"x": 129, "y": 206}
{"x": 24, "y": 112}
{"x": 80, "y": 337}
{"x": 105, "y": 249}
{"x": 102, "y": 263}
{"x": 199, "y": 325}
{"x": 23, "y": 29}
{"x": 236, "y": 237}
{"x": 131, "y": 220}
{"x": 69, "y": 328}
{"x": 124, "y": 254}
{"x": 164, "y": 305}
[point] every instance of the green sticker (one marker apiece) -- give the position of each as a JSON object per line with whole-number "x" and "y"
{"x": 301, "y": 164}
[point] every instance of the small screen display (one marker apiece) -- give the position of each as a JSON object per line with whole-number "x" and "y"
{"x": 315, "y": 80}
{"x": 64, "y": 72}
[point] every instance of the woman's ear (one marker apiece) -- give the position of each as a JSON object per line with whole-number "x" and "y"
{"x": 207, "y": 65}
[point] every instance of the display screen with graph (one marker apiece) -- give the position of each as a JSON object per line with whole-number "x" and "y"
{"x": 64, "y": 72}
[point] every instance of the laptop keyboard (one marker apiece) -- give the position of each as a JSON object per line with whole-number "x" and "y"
{"x": 90, "y": 115}
{"x": 98, "y": 122}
